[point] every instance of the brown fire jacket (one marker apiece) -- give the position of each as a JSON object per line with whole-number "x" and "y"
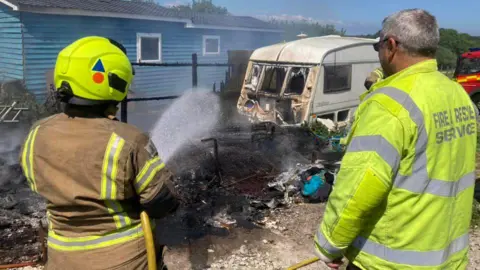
{"x": 97, "y": 175}
{"x": 374, "y": 77}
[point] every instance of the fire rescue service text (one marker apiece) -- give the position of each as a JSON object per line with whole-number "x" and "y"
{"x": 455, "y": 124}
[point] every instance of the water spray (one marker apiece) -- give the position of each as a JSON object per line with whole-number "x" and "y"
{"x": 194, "y": 115}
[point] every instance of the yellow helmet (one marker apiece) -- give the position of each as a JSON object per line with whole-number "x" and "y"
{"x": 93, "y": 70}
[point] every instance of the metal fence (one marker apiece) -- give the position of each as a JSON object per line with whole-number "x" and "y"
{"x": 195, "y": 65}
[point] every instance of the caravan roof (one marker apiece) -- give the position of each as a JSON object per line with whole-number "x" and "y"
{"x": 308, "y": 50}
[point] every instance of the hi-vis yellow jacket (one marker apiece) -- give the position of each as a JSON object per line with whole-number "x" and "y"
{"x": 404, "y": 192}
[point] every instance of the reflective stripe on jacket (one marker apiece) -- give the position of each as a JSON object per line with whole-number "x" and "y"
{"x": 404, "y": 192}
{"x": 96, "y": 175}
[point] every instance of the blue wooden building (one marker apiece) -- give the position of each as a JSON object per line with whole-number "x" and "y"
{"x": 32, "y": 32}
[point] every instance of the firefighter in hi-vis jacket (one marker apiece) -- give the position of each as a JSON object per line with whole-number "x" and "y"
{"x": 96, "y": 174}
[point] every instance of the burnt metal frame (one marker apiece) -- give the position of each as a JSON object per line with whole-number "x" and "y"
{"x": 6, "y": 109}
{"x": 218, "y": 169}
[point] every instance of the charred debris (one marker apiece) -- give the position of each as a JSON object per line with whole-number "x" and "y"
{"x": 237, "y": 177}
{"x": 22, "y": 217}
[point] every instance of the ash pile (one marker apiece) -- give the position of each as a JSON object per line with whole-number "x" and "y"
{"x": 243, "y": 183}
{"x": 21, "y": 210}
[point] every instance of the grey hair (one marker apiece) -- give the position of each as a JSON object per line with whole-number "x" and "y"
{"x": 416, "y": 30}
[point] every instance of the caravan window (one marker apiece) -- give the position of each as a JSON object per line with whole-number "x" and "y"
{"x": 298, "y": 77}
{"x": 254, "y": 76}
{"x": 337, "y": 78}
{"x": 273, "y": 79}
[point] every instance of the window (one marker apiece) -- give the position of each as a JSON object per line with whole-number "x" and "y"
{"x": 211, "y": 45}
{"x": 330, "y": 116}
{"x": 273, "y": 79}
{"x": 469, "y": 66}
{"x": 342, "y": 115}
{"x": 337, "y": 78}
{"x": 298, "y": 77}
{"x": 254, "y": 76}
{"x": 149, "y": 48}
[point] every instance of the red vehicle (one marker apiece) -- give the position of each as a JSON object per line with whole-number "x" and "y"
{"x": 467, "y": 73}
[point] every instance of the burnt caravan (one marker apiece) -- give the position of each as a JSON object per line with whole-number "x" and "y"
{"x": 307, "y": 79}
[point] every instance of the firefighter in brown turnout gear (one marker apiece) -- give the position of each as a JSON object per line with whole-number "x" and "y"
{"x": 374, "y": 77}
{"x": 96, "y": 174}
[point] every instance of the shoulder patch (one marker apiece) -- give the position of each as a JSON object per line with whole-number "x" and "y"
{"x": 151, "y": 149}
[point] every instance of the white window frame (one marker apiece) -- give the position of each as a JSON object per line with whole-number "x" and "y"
{"x": 139, "y": 47}
{"x": 205, "y": 45}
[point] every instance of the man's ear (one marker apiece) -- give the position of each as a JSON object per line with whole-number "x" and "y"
{"x": 392, "y": 48}
{"x": 392, "y": 45}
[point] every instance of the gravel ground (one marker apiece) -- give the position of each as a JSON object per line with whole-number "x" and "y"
{"x": 285, "y": 240}
{"x": 474, "y": 252}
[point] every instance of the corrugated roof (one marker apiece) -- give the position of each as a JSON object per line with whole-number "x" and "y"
{"x": 146, "y": 9}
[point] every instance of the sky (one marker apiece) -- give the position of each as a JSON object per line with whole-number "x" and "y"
{"x": 357, "y": 17}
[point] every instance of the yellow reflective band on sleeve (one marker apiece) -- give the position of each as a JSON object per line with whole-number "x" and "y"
{"x": 27, "y": 159}
{"x": 49, "y": 221}
{"x": 412, "y": 258}
{"x": 120, "y": 217}
{"x": 379, "y": 73}
{"x": 379, "y": 145}
{"x": 148, "y": 172}
{"x": 93, "y": 242}
{"x": 323, "y": 243}
{"x": 109, "y": 177}
{"x": 110, "y": 169}
{"x": 25, "y": 167}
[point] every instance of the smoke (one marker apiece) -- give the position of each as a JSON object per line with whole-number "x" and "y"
{"x": 175, "y": 3}
{"x": 191, "y": 117}
{"x": 297, "y": 18}
{"x": 10, "y": 144}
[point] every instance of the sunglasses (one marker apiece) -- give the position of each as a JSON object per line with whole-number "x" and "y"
{"x": 376, "y": 46}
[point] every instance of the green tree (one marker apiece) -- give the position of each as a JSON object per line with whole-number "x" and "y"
{"x": 203, "y": 6}
{"x": 372, "y": 36}
{"x": 446, "y": 58}
{"x": 452, "y": 44}
{"x": 458, "y": 43}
